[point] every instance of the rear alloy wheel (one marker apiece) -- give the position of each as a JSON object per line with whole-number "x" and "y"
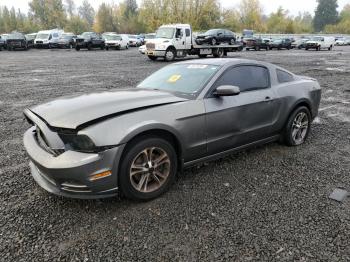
{"x": 169, "y": 55}
{"x": 298, "y": 127}
{"x": 147, "y": 169}
{"x": 232, "y": 41}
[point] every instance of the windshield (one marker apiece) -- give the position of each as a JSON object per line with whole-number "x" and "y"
{"x": 183, "y": 78}
{"x": 149, "y": 36}
{"x": 86, "y": 35}
{"x": 66, "y": 36}
{"x": 15, "y": 36}
{"x": 30, "y": 37}
{"x": 113, "y": 37}
{"x": 317, "y": 38}
{"x": 211, "y": 32}
{"x": 42, "y": 36}
{"x": 165, "y": 32}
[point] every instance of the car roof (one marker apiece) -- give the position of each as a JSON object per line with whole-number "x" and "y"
{"x": 223, "y": 61}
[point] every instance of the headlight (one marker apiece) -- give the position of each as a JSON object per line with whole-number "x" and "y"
{"x": 80, "y": 143}
{"x": 208, "y": 36}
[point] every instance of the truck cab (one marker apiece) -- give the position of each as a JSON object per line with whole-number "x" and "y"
{"x": 170, "y": 41}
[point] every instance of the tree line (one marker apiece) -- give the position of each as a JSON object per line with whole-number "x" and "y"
{"x": 128, "y": 17}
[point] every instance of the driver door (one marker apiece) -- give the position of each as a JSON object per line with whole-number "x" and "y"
{"x": 180, "y": 39}
{"x": 233, "y": 121}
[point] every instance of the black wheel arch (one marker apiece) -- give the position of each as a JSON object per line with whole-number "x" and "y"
{"x": 167, "y": 135}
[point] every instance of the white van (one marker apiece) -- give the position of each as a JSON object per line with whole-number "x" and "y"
{"x": 47, "y": 38}
{"x": 116, "y": 41}
{"x": 320, "y": 42}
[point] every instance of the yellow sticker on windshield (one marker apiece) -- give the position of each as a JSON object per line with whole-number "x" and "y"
{"x": 174, "y": 78}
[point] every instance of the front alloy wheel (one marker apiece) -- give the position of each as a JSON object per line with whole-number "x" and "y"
{"x": 150, "y": 169}
{"x": 147, "y": 169}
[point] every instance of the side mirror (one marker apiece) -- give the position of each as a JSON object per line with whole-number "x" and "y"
{"x": 227, "y": 90}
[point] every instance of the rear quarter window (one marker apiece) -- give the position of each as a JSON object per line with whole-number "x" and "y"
{"x": 284, "y": 77}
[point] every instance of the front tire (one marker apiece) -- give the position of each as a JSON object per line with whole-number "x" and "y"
{"x": 169, "y": 55}
{"x": 298, "y": 127}
{"x": 147, "y": 169}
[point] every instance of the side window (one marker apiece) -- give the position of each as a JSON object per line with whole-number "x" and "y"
{"x": 247, "y": 78}
{"x": 188, "y": 32}
{"x": 283, "y": 76}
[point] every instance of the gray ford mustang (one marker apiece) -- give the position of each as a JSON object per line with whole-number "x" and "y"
{"x": 136, "y": 140}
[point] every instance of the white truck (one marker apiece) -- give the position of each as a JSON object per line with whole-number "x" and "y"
{"x": 176, "y": 40}
{"x": 48, "y": 38}
{"x": 320, "y": 42}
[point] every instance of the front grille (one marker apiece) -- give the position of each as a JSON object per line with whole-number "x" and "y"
{"x": 39, "y": 42}
{"x": 150, "y": 46}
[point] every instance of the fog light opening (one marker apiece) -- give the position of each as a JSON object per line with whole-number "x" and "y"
{"x": 100, "y": 175}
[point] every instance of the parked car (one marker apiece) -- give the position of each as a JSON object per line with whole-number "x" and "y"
{"x": 149, "y": 36}
{"x": 282, "y": 43}
{"x": 16, "y": 41}
{"x": 257, "y": 44}
{"x": 30, "y": 39}
{"x": 67, "y": 40}
{"x": 320, "y": 42}
{"x": 4, "y": 38}
{"x": 340, "y": 41}
{"x": 116, "y": 41}
{"x": 47, "y": 38}
{"x": 347, "y": 40}
{"x": 216, "y": 36}
{"x": 89, "y": 40}
{"x": 2, "y": 43}
{"x": 300, "y": 43}
{"x": 134, "y": 41}
{"x": 136, "y": 140}
{"x": 142, "y": 49}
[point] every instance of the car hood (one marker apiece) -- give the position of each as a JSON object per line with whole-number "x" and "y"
{"x": 203, "y": 36}
{"x": 78, "y": 111}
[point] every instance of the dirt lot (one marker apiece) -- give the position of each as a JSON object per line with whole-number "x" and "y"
{"x": 268, "y": 203}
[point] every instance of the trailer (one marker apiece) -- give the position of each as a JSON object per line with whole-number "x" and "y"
{"x": 177, "y": 40}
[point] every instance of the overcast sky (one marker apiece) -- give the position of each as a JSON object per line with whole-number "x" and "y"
{"x": 269, "y": 5}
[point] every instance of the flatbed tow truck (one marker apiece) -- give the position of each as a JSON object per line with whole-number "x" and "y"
{"x": 176, "y": 40}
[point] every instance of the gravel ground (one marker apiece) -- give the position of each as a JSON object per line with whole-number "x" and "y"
{"x": 268, "y": 204}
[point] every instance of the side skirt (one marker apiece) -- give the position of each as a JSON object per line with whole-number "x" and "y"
{"x": 230, "y": 151}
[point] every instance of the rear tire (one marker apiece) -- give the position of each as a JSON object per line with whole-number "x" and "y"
{"x": 298, "y": 127}
{"x": 218, "y": 53}
{"x": 141, "y": 178}
{"x": 77, "y": 48}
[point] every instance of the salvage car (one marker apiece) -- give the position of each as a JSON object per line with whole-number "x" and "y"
{"x": 134, "y": 41}
{"x": 16, "y": 41}
{"x": 30, "y": 39}
{"x": 114, "y": 41}
{"x": 67, "y": 40}
{"x": 300, "y": 43}
{"x": 216, "y": 36}
{"x": 89, "y": 40}
{"x": 135, "y": 140}
{"x": 2, "y": 43}
{"x": 257, "y": 44}
{"x": 4, "y": 39}
{"x": 282, "y": 43}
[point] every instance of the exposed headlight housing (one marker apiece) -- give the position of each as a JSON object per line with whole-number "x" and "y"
{"x": 81, "y": 143}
